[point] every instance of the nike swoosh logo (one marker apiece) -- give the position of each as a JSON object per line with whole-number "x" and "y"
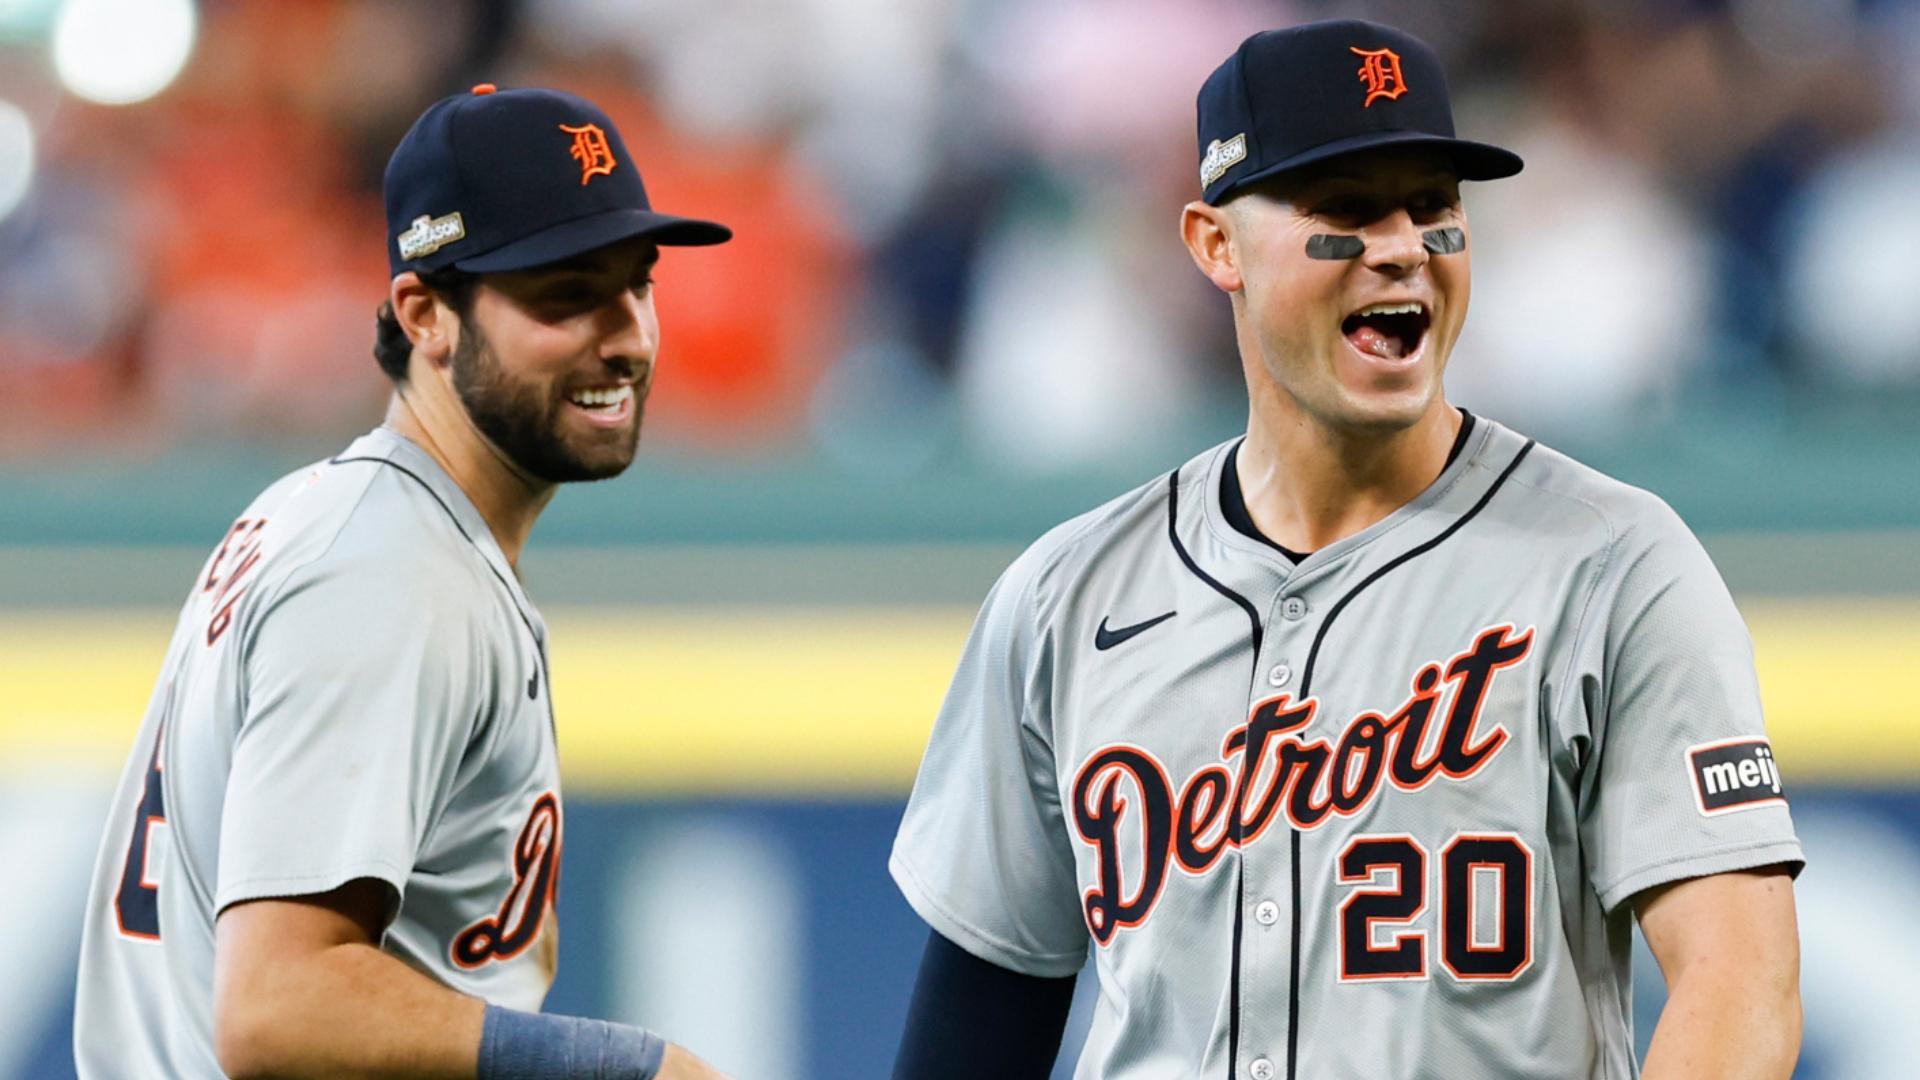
{"x": 1104, "y": 639}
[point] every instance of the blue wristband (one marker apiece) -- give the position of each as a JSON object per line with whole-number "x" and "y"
{"x": 517, "y": 1045}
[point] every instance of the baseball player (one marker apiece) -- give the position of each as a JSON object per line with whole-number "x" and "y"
{"x": 336, "y": 845}
{"x": 1353, "y": 746}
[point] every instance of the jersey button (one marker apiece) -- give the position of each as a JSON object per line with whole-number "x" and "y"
{"x": 1261, "y": 1069}
{"x": 1280, "y": 675}
{"x": 1294, "y": 608}
{"x": 1266, "y": 913}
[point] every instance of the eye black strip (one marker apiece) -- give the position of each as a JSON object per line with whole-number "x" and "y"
{"x": 1448, "y": 241}
{"x": 1334, "y": 246}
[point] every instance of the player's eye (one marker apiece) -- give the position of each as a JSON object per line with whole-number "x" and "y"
{"x": 573, "y": 294}
{"x": 571, "y": 300}
{"x": 1349, "y": 209}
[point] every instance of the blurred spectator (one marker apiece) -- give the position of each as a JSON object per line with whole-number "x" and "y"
{"x": 1089, "y": 333}
{"x": 1590, "y": 290}
{"x": 1850, "y": 266}
{"x": 956, "y": 217}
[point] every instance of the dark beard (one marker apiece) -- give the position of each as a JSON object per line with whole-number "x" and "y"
{"x": 525, "y": 424}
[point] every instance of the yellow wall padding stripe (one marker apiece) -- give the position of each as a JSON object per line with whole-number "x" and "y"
{"x": 838, "y": 701}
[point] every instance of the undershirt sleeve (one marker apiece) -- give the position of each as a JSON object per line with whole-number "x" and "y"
{"x": 970, "y": 1018}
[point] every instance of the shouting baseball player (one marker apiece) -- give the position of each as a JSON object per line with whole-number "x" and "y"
{"x": 1354, "y": 745}
{"x": 336, "y": 845}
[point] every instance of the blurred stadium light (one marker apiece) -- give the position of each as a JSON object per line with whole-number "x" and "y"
{"x": 120, "y": 52}
{"x": 16, "y": 157}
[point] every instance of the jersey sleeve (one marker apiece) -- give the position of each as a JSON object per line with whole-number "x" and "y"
{"x": 982, "y": 854}
{"x": 361, "y": 691}
{"x": 1681, "y": 782}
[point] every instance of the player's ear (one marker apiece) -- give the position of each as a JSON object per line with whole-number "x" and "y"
{"x": 430, "y": 324}
{"x": 1208, "y": 233}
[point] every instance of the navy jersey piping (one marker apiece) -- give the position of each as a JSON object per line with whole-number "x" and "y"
{"x": 1306, "y": 679}
{"x": 1306, "y": 672}
{"x": 1257, "y": 633}
{"x": 1173, "y": 537}
{"x": 1306, "y": 683}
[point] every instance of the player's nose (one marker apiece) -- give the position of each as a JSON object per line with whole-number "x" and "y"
{"x": 628, "y": 326}
{"x": 1394, "y": 245}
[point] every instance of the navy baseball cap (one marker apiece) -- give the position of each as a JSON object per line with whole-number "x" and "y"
{"x": 497, "y": 180}
{"x": 1288, "y": 98}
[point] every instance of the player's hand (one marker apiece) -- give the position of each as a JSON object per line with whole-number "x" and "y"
{"x": 680, "y": 1064}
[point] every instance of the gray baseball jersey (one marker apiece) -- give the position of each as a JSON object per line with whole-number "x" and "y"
{"x": 356, "y": 688}
{"x": 1374, "y": 814}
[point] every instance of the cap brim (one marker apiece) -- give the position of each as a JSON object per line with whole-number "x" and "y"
{"x": 581, "y": 235}
{"x": 1471, "y": 160}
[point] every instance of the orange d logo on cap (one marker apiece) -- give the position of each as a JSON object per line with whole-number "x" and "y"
{"x": 1290, "y": 92}
{"x": 590, "y": 149}
{"x": 1380, "y": 70}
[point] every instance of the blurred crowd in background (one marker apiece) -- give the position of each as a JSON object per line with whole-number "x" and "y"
{"x": 955, "y": 218}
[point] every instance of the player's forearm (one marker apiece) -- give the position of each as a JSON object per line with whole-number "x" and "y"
{"x": 1727, "y": 1024}
{"x": 1728, "y": 945}
{"x": 348, "y": 1010}
{"x": 353, "y": 1011}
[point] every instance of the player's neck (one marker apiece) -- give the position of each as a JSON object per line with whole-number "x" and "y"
{"x": 507, "y": 496}
{"x": 1308, "y": 485}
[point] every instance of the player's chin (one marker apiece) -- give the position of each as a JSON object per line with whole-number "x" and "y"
{"x": 598, "y": 454}
{"x": 608, "y": 458}
{"x": 1387, "y": 398}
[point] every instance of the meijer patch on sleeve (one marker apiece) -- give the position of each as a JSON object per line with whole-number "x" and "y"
{"x": 1734, "y": 774}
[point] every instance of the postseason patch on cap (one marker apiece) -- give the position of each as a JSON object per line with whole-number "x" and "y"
{"x": 1734, "y": 774}
{"x": 1221, "y": 156}
{"x": 427, "y": 235}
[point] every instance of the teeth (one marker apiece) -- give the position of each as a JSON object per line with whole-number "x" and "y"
{"x": 1413, "y": 308}
{"x": 601, "y": 399}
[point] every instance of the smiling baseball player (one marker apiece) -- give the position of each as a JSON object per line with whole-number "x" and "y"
{"x": 1354, "y": 746}
{"x": 336, "y": 845}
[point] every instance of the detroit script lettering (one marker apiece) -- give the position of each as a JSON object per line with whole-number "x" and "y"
{"x": 1278, "y": 771}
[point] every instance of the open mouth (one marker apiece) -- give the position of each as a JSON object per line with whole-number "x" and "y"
{"x": 610, "y": 404}
{"x": 1389, "y": 331}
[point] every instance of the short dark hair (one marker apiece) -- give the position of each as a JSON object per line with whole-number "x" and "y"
{"x": 391, "y": 349}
